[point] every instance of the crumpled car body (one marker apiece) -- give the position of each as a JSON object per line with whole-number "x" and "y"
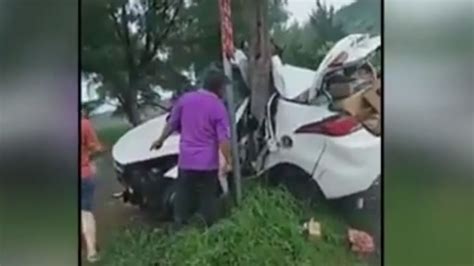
{"x": 341, "y": 165}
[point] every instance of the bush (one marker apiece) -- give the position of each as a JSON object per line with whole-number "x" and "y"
{"x": 264, "y": 230}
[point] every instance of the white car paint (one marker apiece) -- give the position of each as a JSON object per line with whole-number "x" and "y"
{"x": 340, "y": 165}
{"x": 357, "y": 46}
{"x": 290, "y": 81}
{"x": 134, "y": 146}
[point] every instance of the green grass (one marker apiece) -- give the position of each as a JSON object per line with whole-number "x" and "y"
{"x": 109, "y": 135}
{"x": 264, "y": 230}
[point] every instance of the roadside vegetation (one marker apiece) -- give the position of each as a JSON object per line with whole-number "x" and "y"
{"x": 109, "y": 135}
{"x": 265, "y": 230}
{"x": 121, "y": 62}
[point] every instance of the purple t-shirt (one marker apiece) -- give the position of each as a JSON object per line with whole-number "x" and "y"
{"x": 202, "y": 120}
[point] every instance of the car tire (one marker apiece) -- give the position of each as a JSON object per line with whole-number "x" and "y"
{"x": 296, "y": 181}
{"x": 167, "y": 199}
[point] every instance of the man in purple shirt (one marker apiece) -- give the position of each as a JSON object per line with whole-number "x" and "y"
{"x": 203, "y": 122}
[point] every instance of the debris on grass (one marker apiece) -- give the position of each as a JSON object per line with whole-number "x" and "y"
{"x": 263, "y": 230}
{"x": 313, "y": 228}
{"x": 361, "y": 242}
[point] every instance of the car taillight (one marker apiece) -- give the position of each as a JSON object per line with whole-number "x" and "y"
{"x": 336, "y": 126}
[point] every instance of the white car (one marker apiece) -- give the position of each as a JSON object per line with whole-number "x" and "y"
{"x": 304, "y": 141}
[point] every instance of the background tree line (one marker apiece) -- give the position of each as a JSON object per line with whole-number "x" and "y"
{"x": 133, "y": 46}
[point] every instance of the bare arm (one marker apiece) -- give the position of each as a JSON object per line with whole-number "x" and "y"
{"x": 222, "y": 126}
{"x": 172, "y": 125}
{"x": 167, "y": 131}
{"x": 224, "y": 147}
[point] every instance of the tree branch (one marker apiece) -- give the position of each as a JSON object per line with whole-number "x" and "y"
{"x": 115, "y": 21}
{"x": 158, "y": 40}
{"x": 149, "y": 12}
{"x": 169, "y": 26}
{"x": 132, "y": 73}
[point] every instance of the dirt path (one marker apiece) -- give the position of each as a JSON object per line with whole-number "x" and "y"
{"x": 111, "y": 214}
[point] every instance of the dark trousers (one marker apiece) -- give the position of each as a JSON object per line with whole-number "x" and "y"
{"x": 196, "y": 192}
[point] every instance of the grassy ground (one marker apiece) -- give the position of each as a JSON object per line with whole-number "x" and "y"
{"x": 109, "y": 135}
{"x": 264, "y": 230}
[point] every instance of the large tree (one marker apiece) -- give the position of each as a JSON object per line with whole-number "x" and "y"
{"x": 200, "y": 44}
{"x": 124, "y": 42}
{"x": 133, "y": 45}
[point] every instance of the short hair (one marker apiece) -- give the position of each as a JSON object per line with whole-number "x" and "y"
{"x": 215, "y": 80}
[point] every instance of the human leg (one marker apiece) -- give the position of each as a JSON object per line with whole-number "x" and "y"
{"x": 87, "y": 218}
{"x": 207, "y": 186}
{"x": 183, "y": 202}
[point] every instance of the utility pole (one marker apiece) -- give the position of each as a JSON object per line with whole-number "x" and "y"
{"x": 227, "y": 53}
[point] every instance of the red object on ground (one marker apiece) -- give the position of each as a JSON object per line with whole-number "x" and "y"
{"x": 361, "y": 242}
{"x": 227, "y": 35}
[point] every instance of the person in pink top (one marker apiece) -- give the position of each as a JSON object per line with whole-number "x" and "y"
{"x": 89, "y": 146}
{"x": 202, "y": 120}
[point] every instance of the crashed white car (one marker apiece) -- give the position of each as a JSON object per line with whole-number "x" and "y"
{"x": 303, "y": 140}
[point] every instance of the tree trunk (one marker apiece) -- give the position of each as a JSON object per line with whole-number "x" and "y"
{"x": 130, "y": 107}
{"x": 259, "y": 57}
{"x": 259, "y": 66}
{"x": 131, "y": 101}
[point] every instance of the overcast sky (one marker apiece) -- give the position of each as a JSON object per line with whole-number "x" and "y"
{"x": 300, "y": 9}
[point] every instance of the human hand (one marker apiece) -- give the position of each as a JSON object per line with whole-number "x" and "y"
{"x": 156, "y": 145}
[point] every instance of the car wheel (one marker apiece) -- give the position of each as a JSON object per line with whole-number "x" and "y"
{"x": 168, "y": 199}
{"x": 296, "y": 181}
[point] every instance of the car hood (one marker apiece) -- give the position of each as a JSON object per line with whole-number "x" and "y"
{"x": 290, "y": 81}
{"x": 134, "y": 146}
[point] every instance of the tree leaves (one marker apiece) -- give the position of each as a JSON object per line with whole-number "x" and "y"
{"x": 307, "y": 45}
{"x": 120, "y": 40}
